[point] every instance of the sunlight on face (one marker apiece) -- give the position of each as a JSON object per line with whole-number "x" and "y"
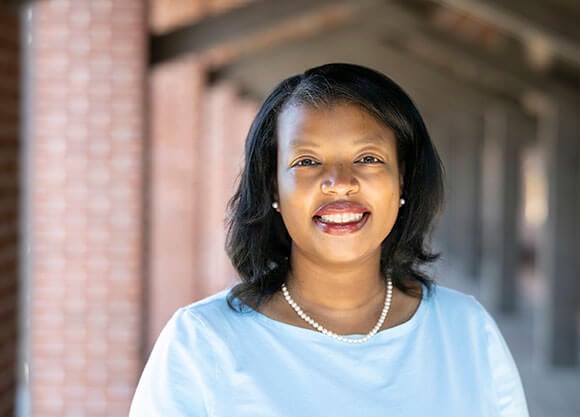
{"x": 338, "y": 181}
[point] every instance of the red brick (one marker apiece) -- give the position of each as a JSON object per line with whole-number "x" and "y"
{"x": 89, "y": 127}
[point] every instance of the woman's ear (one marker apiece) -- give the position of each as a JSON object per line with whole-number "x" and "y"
{"x": 401, "y": 179}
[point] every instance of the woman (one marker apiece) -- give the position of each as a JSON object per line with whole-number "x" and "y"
{"x": 333, "y": 315}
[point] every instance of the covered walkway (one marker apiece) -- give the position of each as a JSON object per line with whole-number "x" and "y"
{"x": 122, "y": 124}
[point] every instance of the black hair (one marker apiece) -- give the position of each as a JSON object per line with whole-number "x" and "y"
{"x": 258, "y": 243}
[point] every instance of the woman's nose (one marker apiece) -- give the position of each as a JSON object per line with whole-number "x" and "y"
{"x": 339, "y": 180}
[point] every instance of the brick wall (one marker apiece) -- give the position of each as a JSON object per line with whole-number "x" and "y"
{"x": 87, "y": 154}
{"x": 87, "y": 144}
{"x": 9, "y": 190}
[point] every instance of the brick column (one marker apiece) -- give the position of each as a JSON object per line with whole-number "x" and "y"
{"x": 246, "y": 110}
{"x": 227, "y": 121}
{"x": 86, "y": 150}
{"x": 176, "y": 103}
{"x": 220, "y": 114}
{"x": 9, "y": 195}
{"x": 198, "y": 135}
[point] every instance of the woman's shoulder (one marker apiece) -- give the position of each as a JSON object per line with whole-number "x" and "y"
{"x": 459, "y": 318}
{"x": 452, "y": 298}
{"x": 207, "y": 310}
{"x": 452, "y": 304}
{"x": 210, "y": 303}
{"x": 201, "y": 323}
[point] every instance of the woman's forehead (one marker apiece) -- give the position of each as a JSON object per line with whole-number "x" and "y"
{"x": 302, "y": 124}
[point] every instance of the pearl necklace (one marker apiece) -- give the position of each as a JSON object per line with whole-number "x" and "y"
{"x": 338, "y": 337}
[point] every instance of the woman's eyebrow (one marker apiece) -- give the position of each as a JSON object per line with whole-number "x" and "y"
{"x": 370, "y": 139}
{"x": 303, "y": 143}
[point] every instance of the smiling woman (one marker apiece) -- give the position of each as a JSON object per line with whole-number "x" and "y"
{"x": 334, "y": 314}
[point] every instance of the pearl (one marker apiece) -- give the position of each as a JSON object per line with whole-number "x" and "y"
{"x": 323, "y": 330}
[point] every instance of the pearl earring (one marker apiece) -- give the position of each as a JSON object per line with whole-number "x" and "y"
{"x": 401, "y": 202}
{"x": 275, "y": 205}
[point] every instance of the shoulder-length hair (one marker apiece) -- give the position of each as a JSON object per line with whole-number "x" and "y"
{"x": 258, "y": 243}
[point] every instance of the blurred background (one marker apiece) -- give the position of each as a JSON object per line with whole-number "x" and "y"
{"x": 122, "y": 125}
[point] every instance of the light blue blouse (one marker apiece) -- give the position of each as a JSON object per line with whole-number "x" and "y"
{"x": 448, "y": 360}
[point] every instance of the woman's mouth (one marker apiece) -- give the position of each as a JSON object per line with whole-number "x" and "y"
{"x": 341, "y": 223}
{"x": 341, "y": 217}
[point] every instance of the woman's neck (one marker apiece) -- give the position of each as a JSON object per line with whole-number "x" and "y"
{"x": 346, "y": 299}
{"x": 336, "y": 287}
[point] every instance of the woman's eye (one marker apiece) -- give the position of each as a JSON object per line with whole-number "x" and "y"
{"x": 306, "y": 162}
{"x": 369, "y": 160}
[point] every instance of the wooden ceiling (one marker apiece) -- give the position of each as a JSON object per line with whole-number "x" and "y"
{"x": 450, "y": 51}
{"x": 167, "y": 15}
{"x": 464, "y": 51}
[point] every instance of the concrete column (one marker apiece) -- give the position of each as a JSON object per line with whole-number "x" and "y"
{"x": 467, "y": 132}
{"x": 444, "y": 229}
{"x": 505, "y": 131}
{"x": 560, "y": 134}
{"x": 460, "y": 144}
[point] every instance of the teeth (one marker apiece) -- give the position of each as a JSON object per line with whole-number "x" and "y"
{"x": 342, "y": 218}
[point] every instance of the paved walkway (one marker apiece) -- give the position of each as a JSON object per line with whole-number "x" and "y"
{"x": 550, "y": 392}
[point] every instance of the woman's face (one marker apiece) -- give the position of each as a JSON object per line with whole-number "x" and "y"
{"x": 338, "y": 182}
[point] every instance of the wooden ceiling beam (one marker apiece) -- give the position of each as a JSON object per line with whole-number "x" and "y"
{"x": 501, "y": 72}
{"x": 259, "y": 73}
{"x": 260, "y": 18}
{"x": 533, "y": 22}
